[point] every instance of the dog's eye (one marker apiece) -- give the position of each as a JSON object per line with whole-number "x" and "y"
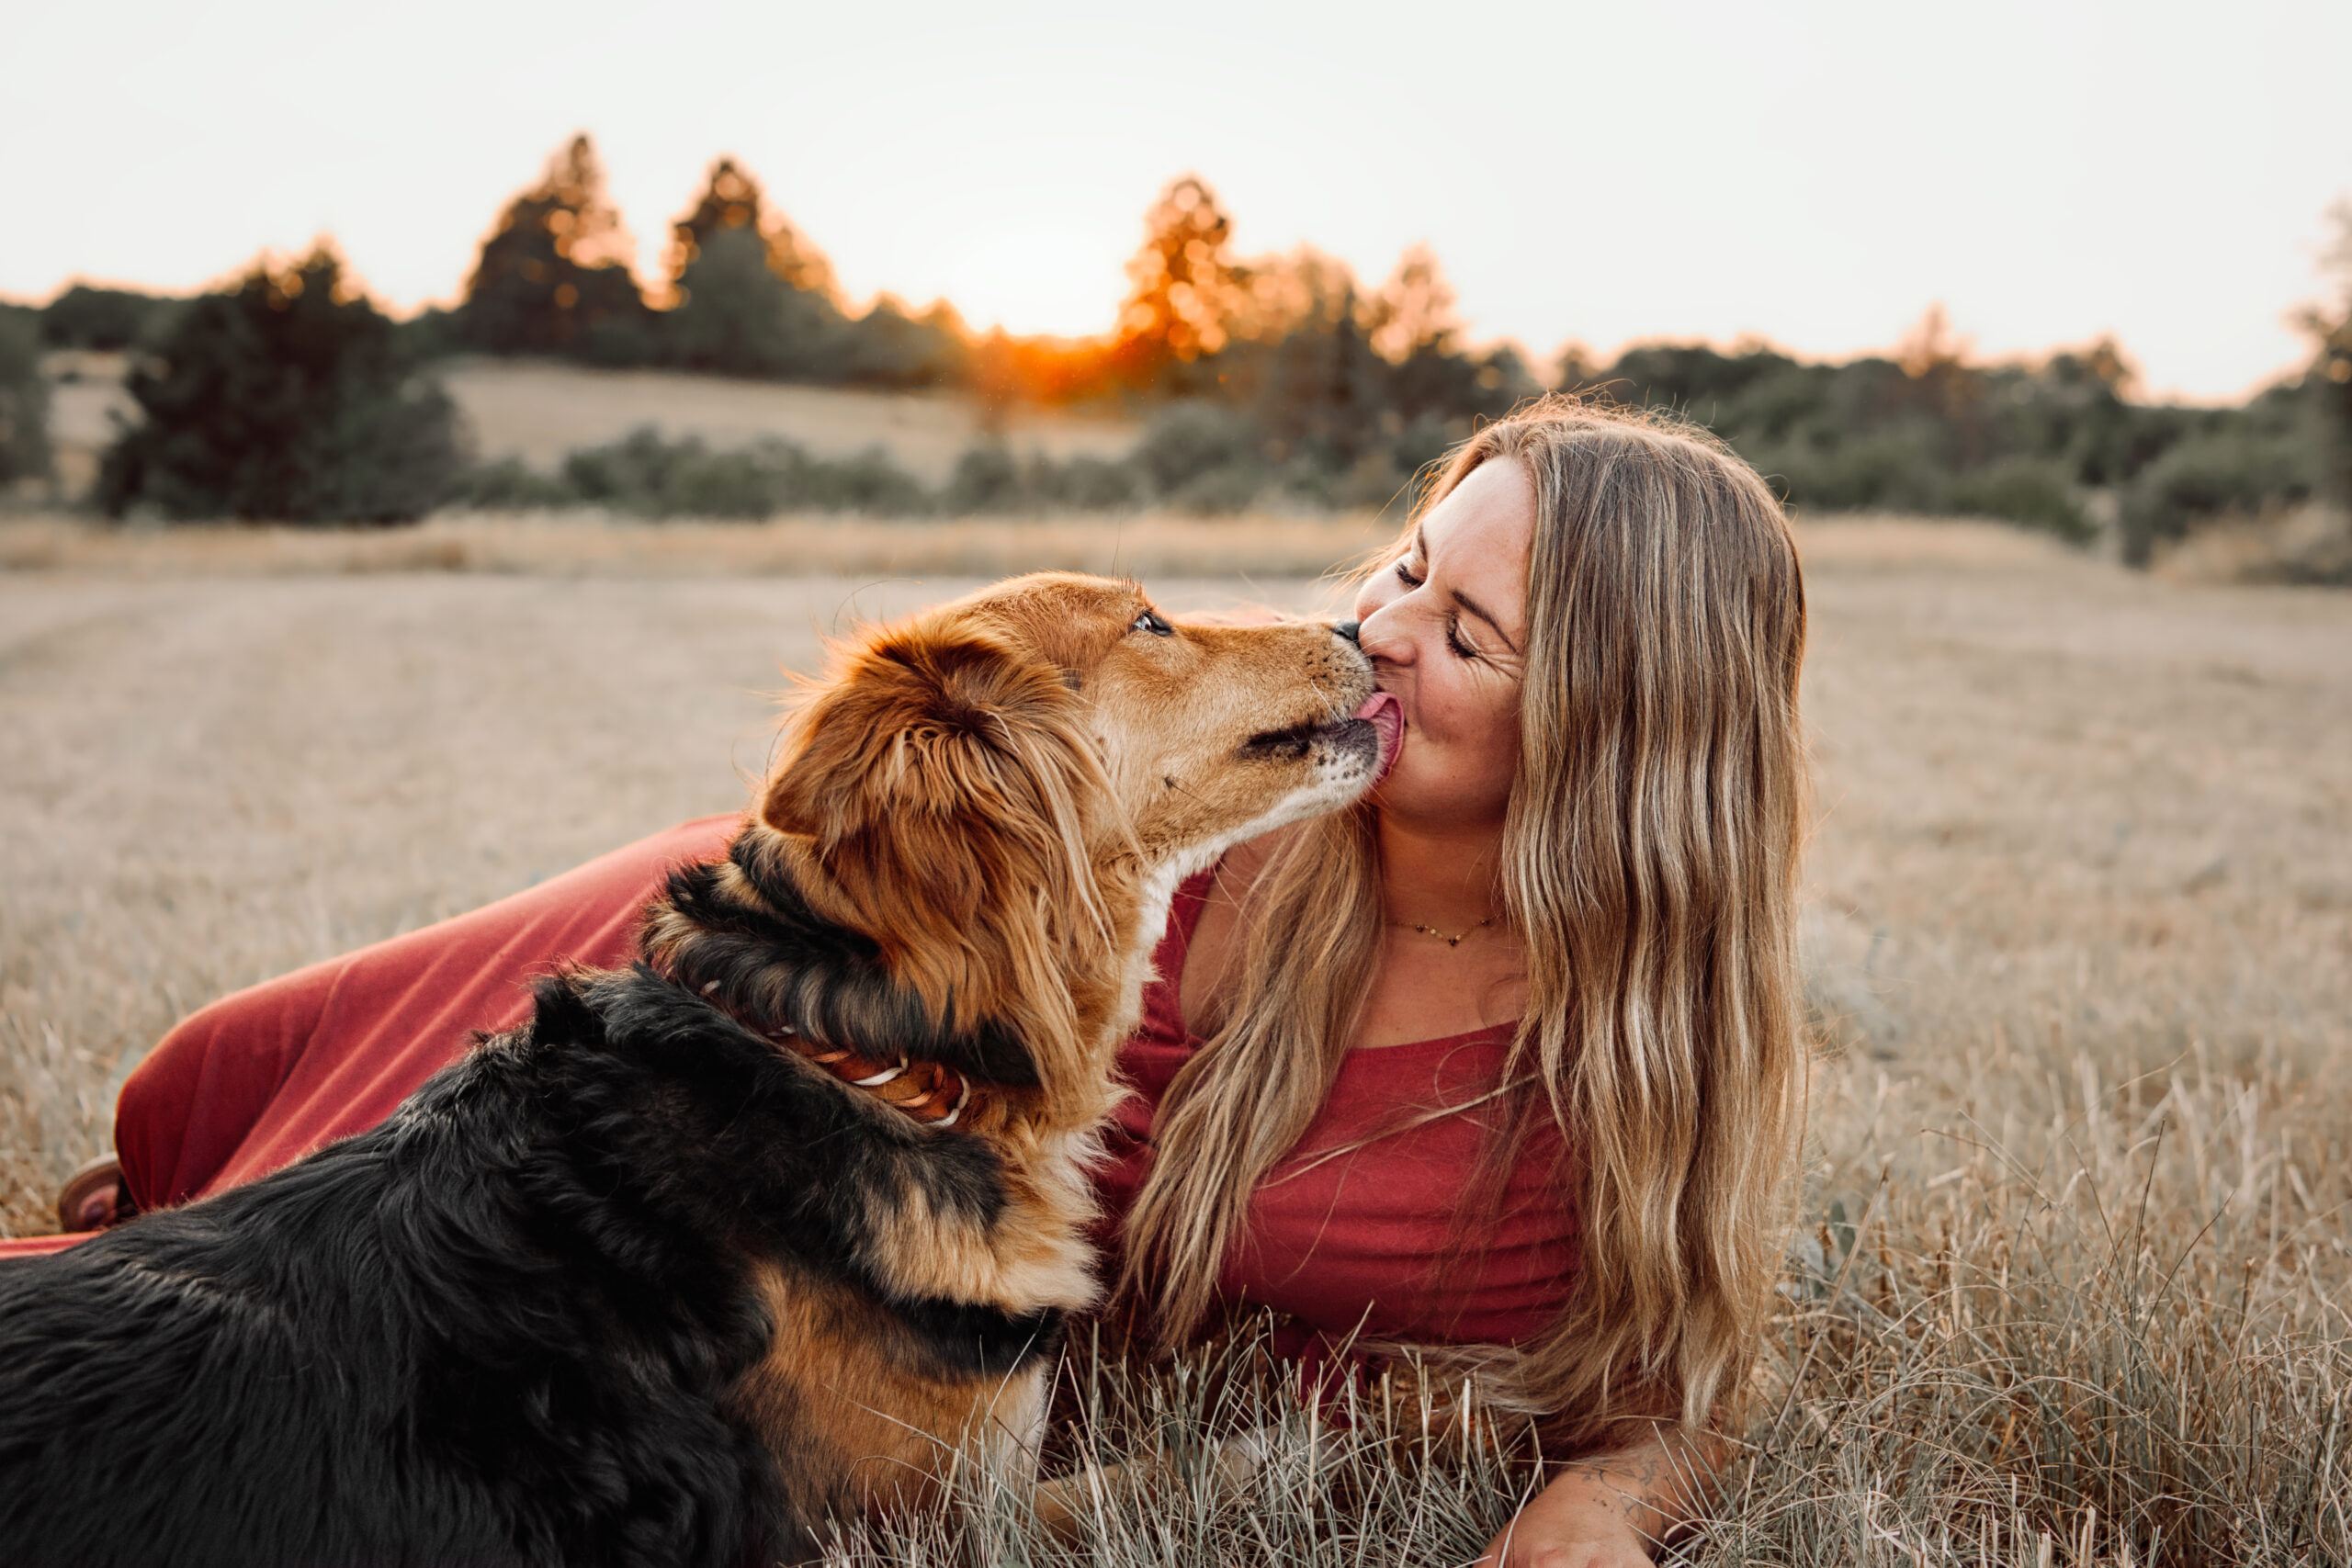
{"x": 1149, "y": 621}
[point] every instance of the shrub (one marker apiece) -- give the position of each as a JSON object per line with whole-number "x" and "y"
{"x": 284, "y": 398}
{"x": 646, "y": 474}
{"x": 1220, "y": 492}
{"x": 2329, "y": 384}
{"x": 1375, "y": 481}
{"x": 1191, "y": 440}
{"x": 24, "y": 402}
{"x": 652, "y": 477}
{"x": 2232, "y": 469}
{"x": 626, "y": 473}
{"x": 887, "y": 347}
{"x": 108, "y": 320}
{"x": 869, "y": 482}
{"x": 1421, "y": 443}
{"x": 511, "y": 485}
{"x": 987, "y": 478}
{"x": 2035, "y": 491}
{"x": 433, "y": 333}
{"x": 1894, "y": 468}
{"x": 747, "y": 484}
{"x": 1091, "y": 484}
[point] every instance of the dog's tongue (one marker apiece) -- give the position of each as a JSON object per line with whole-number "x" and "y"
{"x": 1387, "y": 717}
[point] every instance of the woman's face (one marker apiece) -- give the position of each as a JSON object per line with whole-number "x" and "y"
{"x": 1446, "y": 628}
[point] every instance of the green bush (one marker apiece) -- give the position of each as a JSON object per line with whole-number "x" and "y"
{"x": 1089, "y": 484}
{"x": 1192, "y": 440}
{"x": 433, "y": 333}
{"x": 2329, "y": 387}
{"x": 1221, "y": 491}
{"x": 510, "y": 485}
{"x": 2038, "y": 493}
{"x": 23, "y": 402}
{"x": 645, "y": 474}
{"x": 284, "y": 399}
{"x": 990, "y": 478}
{"x": 650, "y": 476}
{"x": 108, "y": 319}
{"x": 744, "y": 483}
{"x": 1897, "y": 469}
{"x": 2230, "y": 471}
{"x": 869, "y": 482}
{"x": 987, "y": 478}
{"x": 888, "y": 348}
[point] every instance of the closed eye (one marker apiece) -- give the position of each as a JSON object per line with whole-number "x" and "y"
{"x": 1404, "y": 575}
{"x": 1149, "y": 621}
{"x": 1454, "y": 638}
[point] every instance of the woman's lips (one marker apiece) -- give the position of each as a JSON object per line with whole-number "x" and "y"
{"x": 1387, "y": 715}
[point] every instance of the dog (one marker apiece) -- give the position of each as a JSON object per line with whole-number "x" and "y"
{"x": 752, "y": 1235}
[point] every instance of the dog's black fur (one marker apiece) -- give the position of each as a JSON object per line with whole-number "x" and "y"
{"x": 505, "y": 1326}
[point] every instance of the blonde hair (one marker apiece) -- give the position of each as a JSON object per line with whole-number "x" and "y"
{"x": 1649, "y": 862}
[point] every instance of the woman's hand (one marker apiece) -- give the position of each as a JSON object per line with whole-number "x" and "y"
{"x": 1607, "y": 1510}
{"x": 1566, "y": 1526}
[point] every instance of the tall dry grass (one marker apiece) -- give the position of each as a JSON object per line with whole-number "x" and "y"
{"x": 2072, "y": 1281}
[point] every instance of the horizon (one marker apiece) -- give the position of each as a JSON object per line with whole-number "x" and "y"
{"x": 2047, "y": 178}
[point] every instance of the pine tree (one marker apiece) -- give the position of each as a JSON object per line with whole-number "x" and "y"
{"x": 732, "y": 199}
{"x": 736, "y": 317}
{"x": 1323, "y": 389}
{"x": 553, "y": 277}
{"x": 891, "y": 346}
{"x": 752, "y": 298}
{"x": 1413, "y": 311}
{"x": 1185, "y": 286}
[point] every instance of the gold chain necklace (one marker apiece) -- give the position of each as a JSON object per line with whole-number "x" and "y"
{"x": 1433, "y": 930}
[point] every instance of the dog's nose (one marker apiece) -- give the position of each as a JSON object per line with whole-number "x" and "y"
{"x": 1348, "y": 629}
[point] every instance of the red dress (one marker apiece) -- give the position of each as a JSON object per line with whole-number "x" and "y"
{"x": 261, "y": 1078}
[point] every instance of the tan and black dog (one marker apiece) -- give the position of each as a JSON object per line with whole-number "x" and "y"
{"x": 753, "y": 1232}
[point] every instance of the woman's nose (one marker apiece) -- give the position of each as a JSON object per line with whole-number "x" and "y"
{"x": 1376, "y": 635}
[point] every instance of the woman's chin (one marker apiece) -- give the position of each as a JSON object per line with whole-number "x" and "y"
{"x": 1439, "y": 806}
{"x": 1395, "y": 791}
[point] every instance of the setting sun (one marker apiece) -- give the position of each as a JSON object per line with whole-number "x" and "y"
{"x": 1061, "y": 281}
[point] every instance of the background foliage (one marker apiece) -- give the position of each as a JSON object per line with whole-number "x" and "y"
{"x": 1278, "y": 380}
{"x": 23, "y": 399}
{"x": 284, "y": 398}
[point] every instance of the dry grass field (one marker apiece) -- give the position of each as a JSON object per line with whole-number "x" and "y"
{"x": 2072, "y": 1281}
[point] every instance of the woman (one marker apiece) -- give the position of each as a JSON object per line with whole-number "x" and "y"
{"x": 1550, "y": 961}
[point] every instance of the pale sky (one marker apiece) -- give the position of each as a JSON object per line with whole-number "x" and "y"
{"x": 1814, "y": 173}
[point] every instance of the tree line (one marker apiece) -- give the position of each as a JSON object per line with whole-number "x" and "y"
{"x": 290, "y": 395}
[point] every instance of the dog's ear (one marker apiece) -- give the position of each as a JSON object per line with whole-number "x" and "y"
{"x": 947, "y": 786}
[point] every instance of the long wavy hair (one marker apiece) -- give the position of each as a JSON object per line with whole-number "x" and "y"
{"x": 1648, "y": 864}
